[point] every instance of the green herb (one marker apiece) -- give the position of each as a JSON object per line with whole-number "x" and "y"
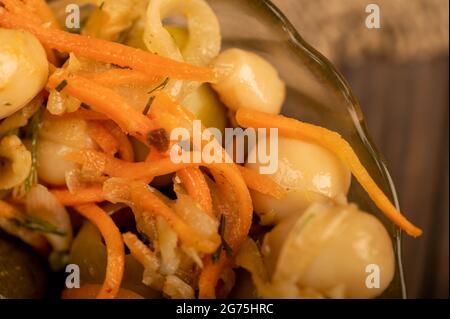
{"x": 35, "y": 126}
{"x": 224, "y": 245}
{"x": 227, "y": 248}
{"x": 160, "y": 86}
{"x": 38, "y": 224}
{"x": 147, "y": 106}
{"x": 216, "y": 256}
{"x": 61, "y": 85}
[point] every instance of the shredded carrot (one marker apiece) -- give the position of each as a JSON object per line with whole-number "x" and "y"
{"x": 154, "y": 155}
{"x": 103, "y": 137}
{"x": 90, "y": 291}
{"x": 141, "y": 252}
{"x": 108, "y": 52}
{"x": 42, "y": 10}
{"x": 115, "y": 77}
{"x": 197, "y": 187}
{"x": 292, "y": 128}
{"x": 147, "y": 258}
{"x": 118, "y": 168}
{"x": 114, "y": 247}
{"x": 260, "y": 183}
{"x": 168, "y": 114}
{"x": 212, "y": 271}
{"x": 81, "y": 196}
{"x": 103, "y": 100}
{"x": 81, "y": 113}
{"x": 148, "y": 202}
{"x": 97, "y": 161}
{"x": 19, "y": 8}
{"x": 126, "y": 151}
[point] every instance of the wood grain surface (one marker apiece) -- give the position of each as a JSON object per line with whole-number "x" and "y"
{"x": 407, "y": 109}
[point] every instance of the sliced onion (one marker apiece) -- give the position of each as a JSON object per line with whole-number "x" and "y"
{"x": 15, "y": 162}
{"x": 176, "y": 288}
{"x": 43, "y": 205}
{"x": 89, "y": 252}
{"x": 30, "y": 237}
{"x": 192, "y": 213}
{"x": 117, "y": 190}
{"x": 60, "y": 103}
{"x": 204, "y": 31}
{"x": 204, "y": 36}
{"x": 167, "y": 247}
{"x": 114, "y": 18}
{"x": 21, "y": 117}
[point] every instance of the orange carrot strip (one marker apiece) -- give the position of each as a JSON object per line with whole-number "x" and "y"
{"x": 116, "y": 77}
{"x": 292, "y": 128}
{"x": 81, "y": 113}
{"x": 197, "y": 187}
{"x": 103, "y": 137}
{"x": 117, "y": 168}
{"x": 41, "y": 9}
{"x": 126, "y": 151}
{"x": 146, "y": 257}
{"x": 114, "y": 246}
{"x": 162, "y": 108}
{"x": 103, "y": 100}
{"x": 260, "y": 183}
{"x": 114, "y": 167}
{"x": 154, "y": 155}
{"x": 211, "y": 271}
{"x": 148, "y": 202}
{"x": 108, "y": 52}
{"x": 18, "y": 8}
{"x": 141, "y": 252}
{"x": 90, "y": 291}
{"x": 170, "y": 114}
{"x": 79, "y": 197}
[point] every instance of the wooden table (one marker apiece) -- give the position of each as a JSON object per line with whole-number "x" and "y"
{"x": 406, "y": 107}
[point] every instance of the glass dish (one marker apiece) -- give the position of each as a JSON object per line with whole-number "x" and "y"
{"x": 316, "y": 93}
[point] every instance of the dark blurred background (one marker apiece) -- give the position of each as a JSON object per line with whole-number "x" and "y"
{"x": 400, "y": 74}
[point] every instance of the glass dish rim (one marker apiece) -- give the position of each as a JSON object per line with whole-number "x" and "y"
{"x": 354, "y": 107}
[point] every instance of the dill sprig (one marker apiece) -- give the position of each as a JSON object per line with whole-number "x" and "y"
{"x": 38, "y": 224}
{"x": 161, "y": 86}
{"x": 223, "y": 245}
{"x": 61, "y": 85}
{"x": 147, "y": 106}
{"x": 35, "y": 126}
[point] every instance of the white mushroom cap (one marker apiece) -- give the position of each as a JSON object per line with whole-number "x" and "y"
{"x": 308, "y": 173}
{"x": 23, "y": 70}
{"x": 335, "y": 250}
{"x": 247, "y": 80}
